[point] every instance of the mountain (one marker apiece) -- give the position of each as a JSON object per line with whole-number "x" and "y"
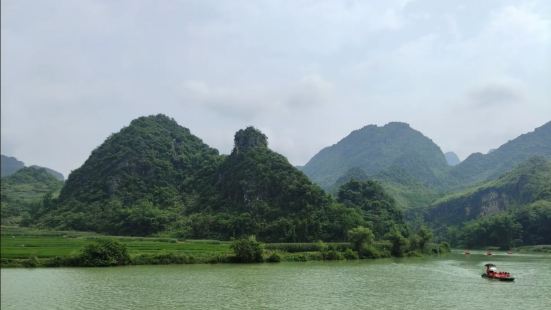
{"x": 451, "y": 158}
{"x": 395, "y": 146}
{"x": 26, "y": 186}
{"x": 527, "y": 183}
{"x": 10, "y": 165}
{"x": 479, "y": 167}
{"x": 136, "y": 182}
{"x": 155, "y": 176}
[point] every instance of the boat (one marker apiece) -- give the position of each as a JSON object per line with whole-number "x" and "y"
{"x": 466, "y": 252}
{"x": 491, "y": 272}
{"x": 488, "y": 253}
{"x": 510, "y": 252}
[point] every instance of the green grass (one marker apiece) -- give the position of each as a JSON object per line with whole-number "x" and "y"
{"x": 22, "y": 243}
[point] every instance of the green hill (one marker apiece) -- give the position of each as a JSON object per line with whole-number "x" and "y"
{"x": 24, "y": 187}
{"x": 137, "y": 182}
{"x": 479, "y": 167}
{"x": 395, "y": 146}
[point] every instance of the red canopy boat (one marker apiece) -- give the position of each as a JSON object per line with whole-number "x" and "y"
{"x": 491, "y": 272}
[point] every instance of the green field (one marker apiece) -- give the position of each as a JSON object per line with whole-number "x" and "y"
{"x": 22, "y": 243}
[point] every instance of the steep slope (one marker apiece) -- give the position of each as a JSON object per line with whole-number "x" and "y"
{"x": 527, "y": 183}
{"x": 257, "y": 191}
{"x": 27, "y": 185}
{"x": 10, "y": 165}
{"x": 479, "y": 167}
{"x": 375, "y": 149}
{"x": 136, "y": 181}
{"x": 451, "y": 158}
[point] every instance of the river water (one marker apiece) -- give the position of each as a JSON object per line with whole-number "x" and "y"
{"x": 448, "y": 282}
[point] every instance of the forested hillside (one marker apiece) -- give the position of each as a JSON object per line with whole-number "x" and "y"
{"x": 395, "y": 146}
{"x": 515, "y": 208}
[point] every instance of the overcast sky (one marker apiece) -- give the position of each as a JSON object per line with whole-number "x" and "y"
{"x": 470, "y": 75}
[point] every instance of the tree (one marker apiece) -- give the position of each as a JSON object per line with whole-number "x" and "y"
{"x": 247, "y": 250}
{"x": 425, "y": 236}
{"x": 104, "y": 252}
{"x": 399, "y": 243}
{"x": 360, "y": 237}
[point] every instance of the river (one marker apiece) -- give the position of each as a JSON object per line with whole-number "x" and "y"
{"x": 448, "y": 282}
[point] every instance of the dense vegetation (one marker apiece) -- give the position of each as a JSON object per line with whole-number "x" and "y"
{"x": 136, "y": 183}
{"x": 525, "y": 184}
{"x": 23, "y": 188}
{"x": 513, "y": 210}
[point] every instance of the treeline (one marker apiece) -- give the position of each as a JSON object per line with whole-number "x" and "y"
{"x": 105, "y": 252}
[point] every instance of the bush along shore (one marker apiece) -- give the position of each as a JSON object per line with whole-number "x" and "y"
{"x": 45, "y": 249}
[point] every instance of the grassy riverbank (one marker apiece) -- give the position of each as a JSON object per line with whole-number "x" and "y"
{"x": 27, "y": 247}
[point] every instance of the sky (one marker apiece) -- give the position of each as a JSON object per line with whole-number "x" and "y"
{"x": 470, "y": 75}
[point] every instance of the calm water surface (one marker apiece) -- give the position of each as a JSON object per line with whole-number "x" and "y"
{"x": 451, "y": 282}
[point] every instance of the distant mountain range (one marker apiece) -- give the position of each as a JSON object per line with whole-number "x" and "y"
{"x": 11, "y": 165}
{"x": 396, "y": 153}
{"x": 479, "y": 167}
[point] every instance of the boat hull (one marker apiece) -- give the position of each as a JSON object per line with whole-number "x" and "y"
{"x": 509, "y": 279}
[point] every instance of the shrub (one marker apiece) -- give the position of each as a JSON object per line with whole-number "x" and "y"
{"x": 349, "y": 254}
{"x": 444, "y": 247}
{"x": 332, "y": 255}
{"x": 31, "y": 262}
{"x": 296, "y": 258}
{"x": 369, "y": 251}
{"x": 399, "y": 243}
{"x": 360, "y": 237}
{"x": 247, "y": 250}
{"x": 274, "y": 258}
{"x": 104, "y": 252}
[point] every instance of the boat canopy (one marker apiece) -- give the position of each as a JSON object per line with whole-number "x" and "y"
{"x": 489, "y": 265}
